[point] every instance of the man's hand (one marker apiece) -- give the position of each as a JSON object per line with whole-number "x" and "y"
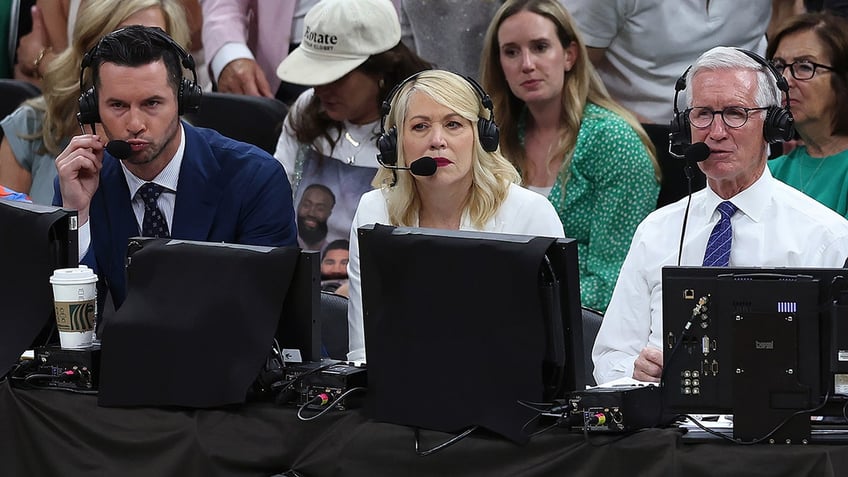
{"x": 33, "y": 46}
{"x": 79, "y": 172}
{"x": 244, "y": 76}
{"x": 648, "y": 365}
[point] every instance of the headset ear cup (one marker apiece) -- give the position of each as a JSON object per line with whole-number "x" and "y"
{"x": 387, "y": 145}
{"x": 779, "y": 125}
{"x": 680, "y": 131}
{"x": 88, "y": 111}
{"x": 189, "y": 97}
{"x": 489, "y": 134}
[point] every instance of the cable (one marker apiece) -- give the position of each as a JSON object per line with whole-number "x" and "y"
{"x": 549, "y": 294}
{"x": 697, "y": 310}
{"x": 19, "y": 368}
{"x": 685, "y": 217}
{"x": 30, "y": 382}
{"x": 570, "y": 419}
{"x": 281, "y": 394}
{"x": 546, "y": 429}
{"x": 67, "y": 390}
{"x": 617, "y": 438}
{"x": 539, "y": 407}
{"x": 536, "y": 417}
{"x": 687, "y": 170}
{"x": 325, "y": 398}
{"x": 453, "y": 440}
{"x": 706, "y": 429}
{"x": 278, "y": 350}
{"x": 769, "y": 434}
{"x": 844, "y": 406}
{"x": 66, "y": 375}
{"x": 273, "y": 371}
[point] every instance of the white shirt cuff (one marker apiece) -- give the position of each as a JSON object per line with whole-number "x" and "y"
{"x": 227, "y": 54}
{"x": 84, "y": 238}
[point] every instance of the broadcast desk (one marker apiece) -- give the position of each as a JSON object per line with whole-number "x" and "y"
{"x": 51, "y": 433}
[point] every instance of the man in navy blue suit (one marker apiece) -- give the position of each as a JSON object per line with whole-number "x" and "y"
{"x": 207, "y": 187}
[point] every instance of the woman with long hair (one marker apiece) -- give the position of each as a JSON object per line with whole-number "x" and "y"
{"x": 570, "y": 140}
{"x": 441, "y": 116}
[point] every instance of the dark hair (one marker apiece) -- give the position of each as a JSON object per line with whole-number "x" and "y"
{"x": 340, "y": 244}
{"x": 838, "y": 7}
{"x": 134, "y": 46}
{"x": 391, "y": 66}
{"x": 832, "y": 31}
{"x": 322, "y": 188}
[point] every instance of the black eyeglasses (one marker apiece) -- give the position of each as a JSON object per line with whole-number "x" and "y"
{"x": 733, "y": 116}
{"x": 801, "y": 70}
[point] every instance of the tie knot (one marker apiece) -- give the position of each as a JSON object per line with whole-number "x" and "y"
{"x": 726, "y": 209}
{"x": 150, "y": 192}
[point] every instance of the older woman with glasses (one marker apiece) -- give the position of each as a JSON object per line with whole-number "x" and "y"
{"x": 811, "y": 51}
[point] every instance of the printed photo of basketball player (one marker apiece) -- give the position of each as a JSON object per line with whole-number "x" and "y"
{"x": 313, "y": 210}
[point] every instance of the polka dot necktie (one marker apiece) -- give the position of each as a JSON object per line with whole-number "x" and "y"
{"x": 153, "y": 224}
{"x": 718, "y": 246}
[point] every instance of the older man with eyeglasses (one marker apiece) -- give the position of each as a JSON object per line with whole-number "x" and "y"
{"x": 743, "y": 217}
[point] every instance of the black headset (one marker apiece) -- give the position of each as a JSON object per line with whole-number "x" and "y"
{"x": 779, "y": 125}
{"x": 486, "y": 128}
{"x": 188, "y": 94}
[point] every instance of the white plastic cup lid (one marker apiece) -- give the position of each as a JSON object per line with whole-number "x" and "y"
{"x": 73, "y": 276}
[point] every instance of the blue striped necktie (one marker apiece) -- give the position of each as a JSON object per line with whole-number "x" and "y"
{"x": 718, "y": 247}
{"x": 153, "y": 224}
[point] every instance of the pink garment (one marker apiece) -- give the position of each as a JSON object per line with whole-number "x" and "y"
{"x": 265, "y": 26}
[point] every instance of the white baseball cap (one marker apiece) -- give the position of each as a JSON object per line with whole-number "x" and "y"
{"x": 338, "y": 36}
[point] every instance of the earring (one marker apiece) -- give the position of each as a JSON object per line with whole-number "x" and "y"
{"x": 381, "y": 83}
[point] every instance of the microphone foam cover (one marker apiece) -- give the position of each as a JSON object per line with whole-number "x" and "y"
{"x": 119, "y": 149}
{"x": 697, "y": 152}
{"x": 424, "y": 166}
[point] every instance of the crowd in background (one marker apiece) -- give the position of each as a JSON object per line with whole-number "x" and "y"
{"x": 569, "y": 84}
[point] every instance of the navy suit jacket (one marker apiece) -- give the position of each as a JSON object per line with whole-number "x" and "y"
{"x": 228, "y": 191}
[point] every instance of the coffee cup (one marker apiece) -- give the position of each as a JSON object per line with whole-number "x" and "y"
{"x": 75, "y": 302}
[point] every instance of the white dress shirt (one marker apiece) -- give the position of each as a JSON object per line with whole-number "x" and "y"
{"x": 775, "y": 226}
{"x": 168, "y": 179}
{"x": 523, "y": 212}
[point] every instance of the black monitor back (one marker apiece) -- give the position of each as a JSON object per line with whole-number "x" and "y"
{"x": 300, "y": 323}
{"x": 760, "y": 341}
{"x": 34, "y": 241}
{"x": 200, "y": 320}
{"x": 455, "y": 328}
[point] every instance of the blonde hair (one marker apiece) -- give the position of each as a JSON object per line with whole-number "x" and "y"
{"x": 582, "y": 85}
{"x": 97, "y": 18}
{"x": 491, "y": 173}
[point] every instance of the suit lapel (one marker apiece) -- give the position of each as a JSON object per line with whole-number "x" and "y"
{"x": 116, "y": 200}
{"x": 112, "y": 223}
{"x": 198, "y": 189}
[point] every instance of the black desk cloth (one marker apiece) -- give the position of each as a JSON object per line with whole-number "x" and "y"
{"x": 52, "y": 433}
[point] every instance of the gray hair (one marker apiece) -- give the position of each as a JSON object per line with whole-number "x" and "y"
{"x": 726, "y": 58}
